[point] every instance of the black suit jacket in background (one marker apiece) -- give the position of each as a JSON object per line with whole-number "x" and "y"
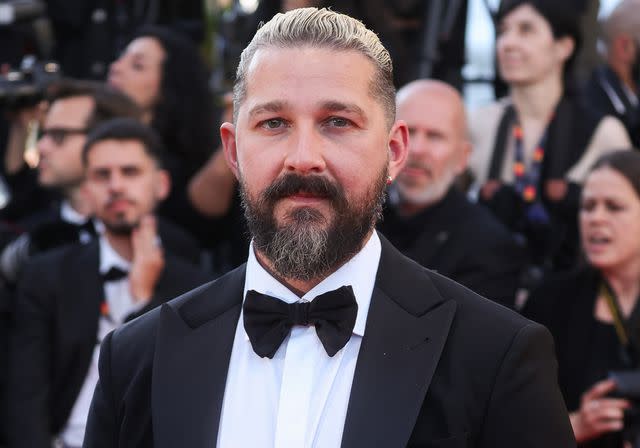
{"x": 603, "y": 88}
{"x": 54, "y": 332}
{"x": 462, "y": 241}
{"x": 439, "y": 366}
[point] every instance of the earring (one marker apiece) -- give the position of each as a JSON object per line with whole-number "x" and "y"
{"x": 389, "y": 180}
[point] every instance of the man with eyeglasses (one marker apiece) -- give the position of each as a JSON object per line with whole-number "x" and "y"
{"x": 47, "y": 207}
{"x": 50, "y": 196}
{"x": 68, "y": 299}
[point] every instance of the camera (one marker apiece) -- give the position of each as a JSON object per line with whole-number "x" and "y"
{"x": 27, "y": 86}
{"x": 628, "y": 387}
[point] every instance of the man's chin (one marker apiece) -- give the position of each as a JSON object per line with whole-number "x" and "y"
{"x": 120, "y": 228}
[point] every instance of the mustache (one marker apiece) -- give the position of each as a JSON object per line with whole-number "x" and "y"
{"x": 291, "y": 184}
{"x": 118, "y": 197}
{"x": 414, "y": 164}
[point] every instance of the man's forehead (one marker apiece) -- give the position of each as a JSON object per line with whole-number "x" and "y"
{"x": 120, "y": 151}
{"x": 75, "y": 109}
{"x": 326, "y": 78}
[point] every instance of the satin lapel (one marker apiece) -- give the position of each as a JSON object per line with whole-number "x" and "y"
{"x": 192, "y": 354}
{"x": 398, "y": 356}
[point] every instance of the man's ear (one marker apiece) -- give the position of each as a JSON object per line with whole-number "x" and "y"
{"x": 162, "y": 185}
{"x": 463, "y": 160}
{"x": 398, "y": 147}
{"x": 228, "y": 137}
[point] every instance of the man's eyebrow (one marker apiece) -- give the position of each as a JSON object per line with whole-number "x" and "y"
{"x": 271, "y": 106}
{"x": 337, "y": 106}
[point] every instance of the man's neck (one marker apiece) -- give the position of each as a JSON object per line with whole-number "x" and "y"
{"x": 409, "y": 209}
{"x": 537, "y": 101}
{"x": 623, "y": 73}
{"x": 121, "y": 244}
{"x": 77, "y": 201}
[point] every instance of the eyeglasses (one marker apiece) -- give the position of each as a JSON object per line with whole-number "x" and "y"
{"x": 58, "y": 135}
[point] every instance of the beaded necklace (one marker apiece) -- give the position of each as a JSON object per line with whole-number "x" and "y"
{"x": 527, "y": 181}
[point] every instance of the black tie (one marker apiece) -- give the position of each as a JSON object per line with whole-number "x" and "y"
{"x": 268, "y": 320}
{"x": 114, "y": 274}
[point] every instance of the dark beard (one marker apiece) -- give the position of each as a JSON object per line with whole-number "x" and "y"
{"x": 120, "y": 228}
{"x": 306, "y": 246}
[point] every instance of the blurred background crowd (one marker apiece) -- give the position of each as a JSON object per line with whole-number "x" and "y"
{"x": 523, "y": 183}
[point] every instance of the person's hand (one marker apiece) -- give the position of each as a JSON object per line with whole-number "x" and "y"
{"x": 598, "y": 414}
{"x": 489, "y": 189}
{"x": 556, "y": 189}
{"x": 148, "y": 260}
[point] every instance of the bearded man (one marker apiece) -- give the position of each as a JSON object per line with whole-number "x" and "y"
{"x": 327, "y": 336}
{"x": 428, "y": 218}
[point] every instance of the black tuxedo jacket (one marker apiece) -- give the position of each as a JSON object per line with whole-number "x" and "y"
{"x": 54, "y": 334}
{"x": 462, "y": 241}
{"x": 439, "y": 366}
{"x": 604, "y": 87}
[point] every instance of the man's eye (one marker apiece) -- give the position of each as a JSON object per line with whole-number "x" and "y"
{"x": 588, "y": 206}
{"x": 338, "y": 122}
{"x": 273, "y": 123}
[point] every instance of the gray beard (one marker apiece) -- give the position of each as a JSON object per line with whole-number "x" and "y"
{"x": 307, "y": 247}
{"x": 299, "y": 250}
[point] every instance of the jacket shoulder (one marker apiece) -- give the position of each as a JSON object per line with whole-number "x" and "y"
{"x": 135, "y": 341}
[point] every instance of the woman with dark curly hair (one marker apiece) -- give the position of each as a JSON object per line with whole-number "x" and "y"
{"x": 164, "y": 74}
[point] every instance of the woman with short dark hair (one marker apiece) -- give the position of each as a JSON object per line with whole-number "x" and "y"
{"x": 533, "y": 149}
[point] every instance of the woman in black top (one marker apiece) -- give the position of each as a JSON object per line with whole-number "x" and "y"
{"x": 593, "y": 313}
{"x": 164, "y": 74}
{"x": 533, "y": 148}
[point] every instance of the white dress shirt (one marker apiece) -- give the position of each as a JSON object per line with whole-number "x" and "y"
{"x": 121, "y": 304}
{"x": 299, "y": 398}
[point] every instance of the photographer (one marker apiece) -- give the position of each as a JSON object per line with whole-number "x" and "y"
{"x": 593, "y": 312}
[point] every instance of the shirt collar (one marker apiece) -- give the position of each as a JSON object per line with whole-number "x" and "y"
{"x": 109, "y": 258}
{"x": 70, "y": 215}
{"x": 359, "y": 272}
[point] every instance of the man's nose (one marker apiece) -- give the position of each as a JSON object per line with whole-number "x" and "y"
{"x": 114, "y": 67}
{"x": 418, "y": 145}
{"x": 44, "y": 145}
{"x": 116, "y": 183}
{"x": 305, "y": 154}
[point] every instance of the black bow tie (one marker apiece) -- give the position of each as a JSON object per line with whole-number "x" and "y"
{"x": 114, "y": 274}
{"x": 268, "y": 320}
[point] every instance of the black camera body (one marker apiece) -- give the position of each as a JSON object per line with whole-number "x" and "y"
{"x": 628, "y": 387}
{"x": 27, "y": 86}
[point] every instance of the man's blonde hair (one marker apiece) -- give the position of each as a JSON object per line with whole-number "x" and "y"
{"x": 322, "y": 28}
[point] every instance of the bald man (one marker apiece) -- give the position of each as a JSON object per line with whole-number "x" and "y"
{"x": 427, "y": 218}
{"x": 614, "y": 87}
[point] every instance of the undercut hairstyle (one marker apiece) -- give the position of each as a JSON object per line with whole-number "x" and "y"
{"x": 624, "y": 162}
{"x": 126, "y": 129}
{"x": 108, "y": 103}
{"x": 321, "y": 28}
{"x": 624, "y": 19}
{"x": 562, "y": 18}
